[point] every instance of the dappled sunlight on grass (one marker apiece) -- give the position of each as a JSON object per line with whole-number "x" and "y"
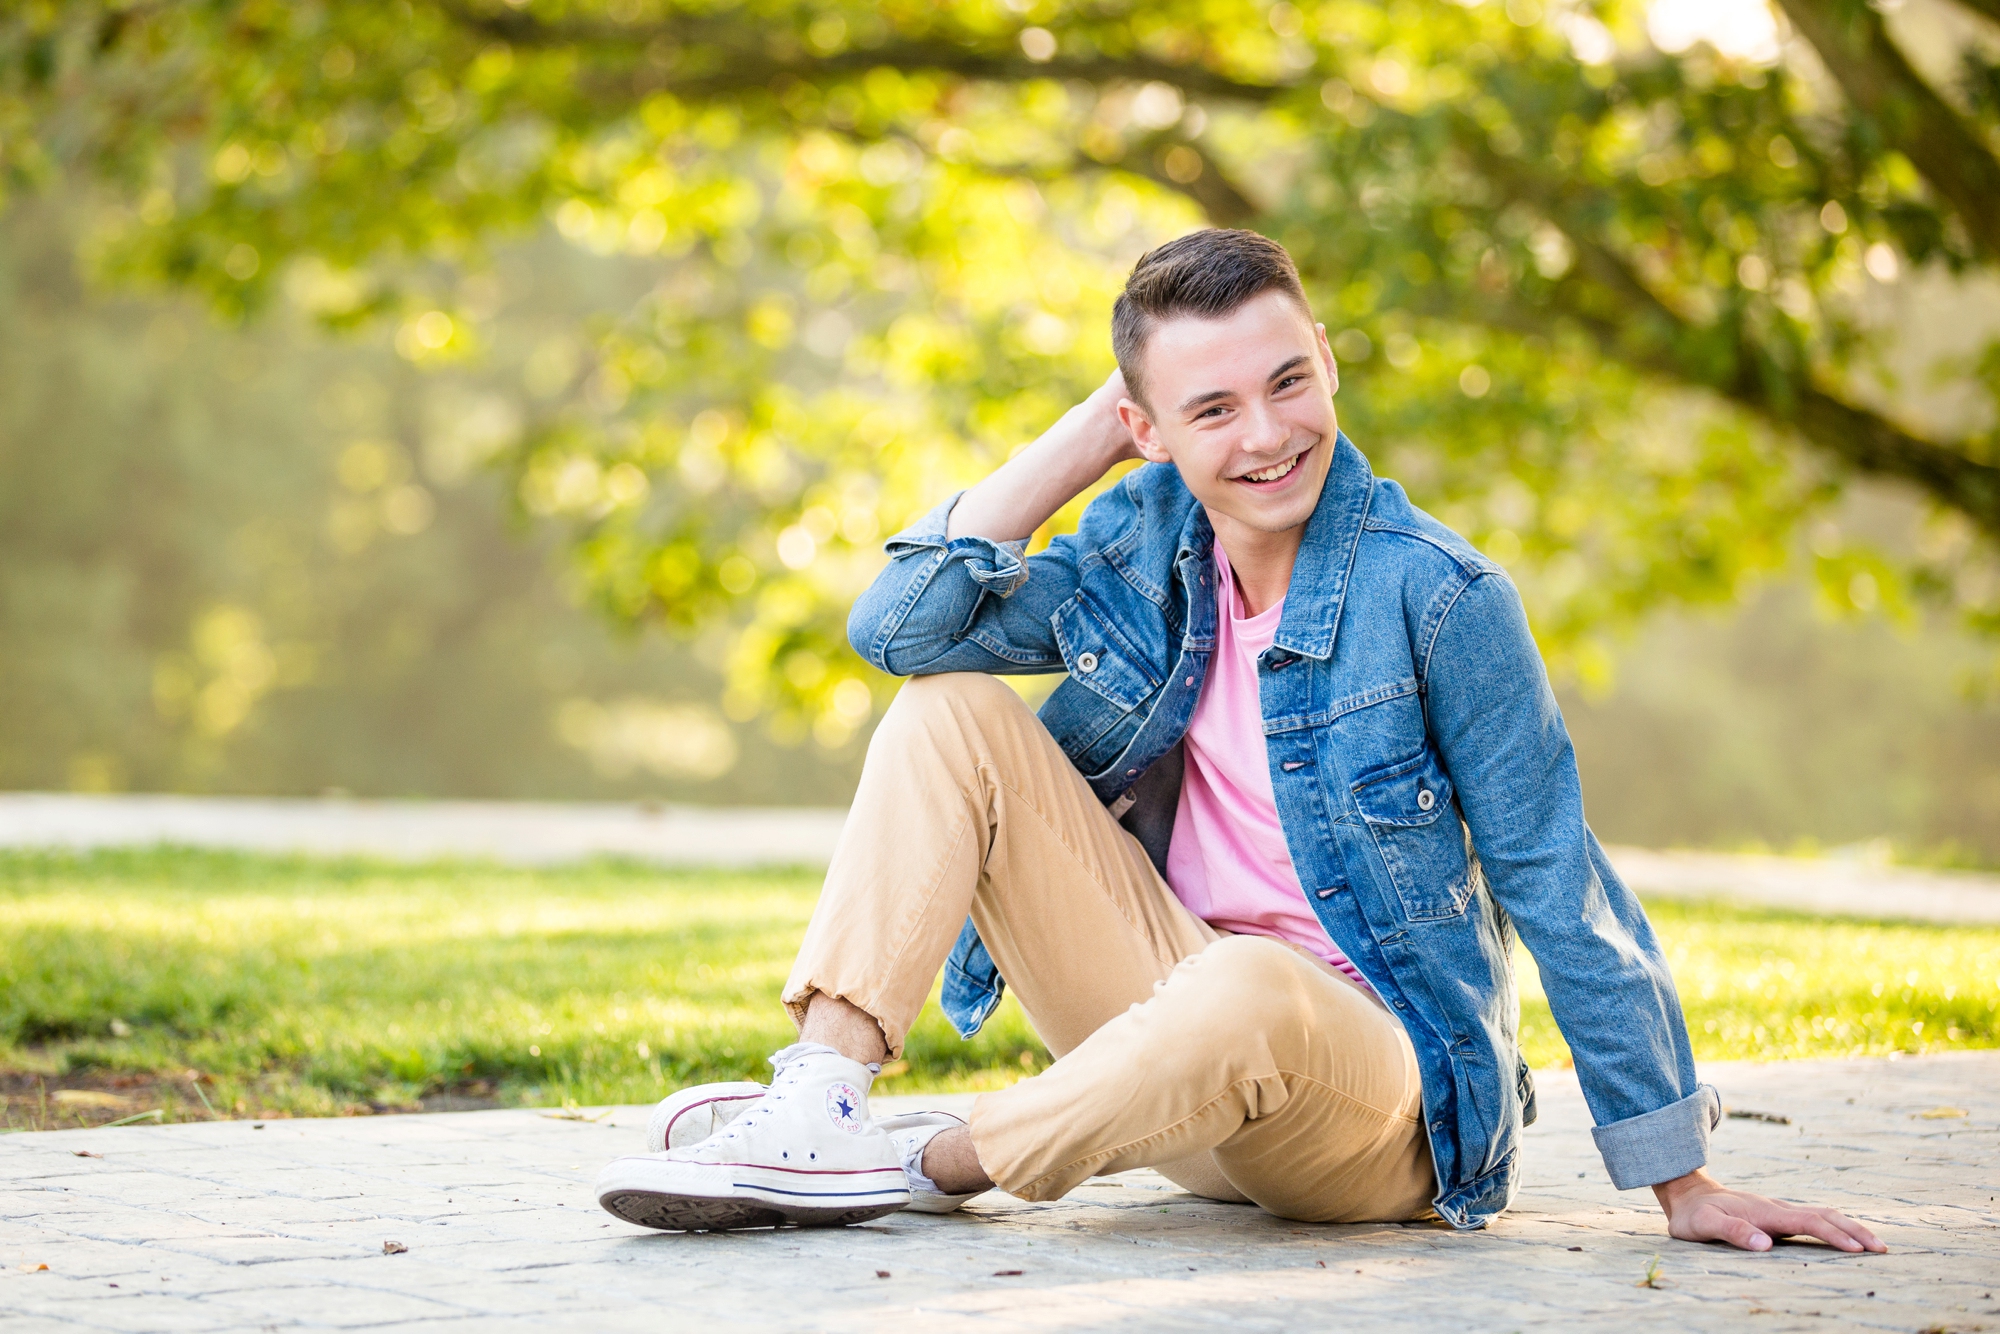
{"x": 305, "y": 987}
{"x": 1767, "y": 985}
{"x": 315, "y": 987}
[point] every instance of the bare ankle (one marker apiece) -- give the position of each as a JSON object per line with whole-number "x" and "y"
{"x": 845, "y": 1027}
{"x": 952, "y": 1163}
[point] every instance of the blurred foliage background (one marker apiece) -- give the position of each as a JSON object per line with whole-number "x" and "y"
{"x": 381, "y": 380}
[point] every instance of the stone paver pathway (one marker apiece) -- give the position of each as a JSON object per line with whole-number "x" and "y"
{"x": 227, "y": 1226}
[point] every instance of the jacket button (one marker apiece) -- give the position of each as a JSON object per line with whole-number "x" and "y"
{"x": 1131, "y": 773}
{"x": 1425, "y": 800}
{"x": 1086, "y": 663}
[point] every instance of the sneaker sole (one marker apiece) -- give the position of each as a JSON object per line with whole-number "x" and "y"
{"x": 686, "y": 1197}
{"x": 686, "y": 1213}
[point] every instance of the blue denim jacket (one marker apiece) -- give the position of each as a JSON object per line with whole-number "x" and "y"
{"x": 1422, "y": 772}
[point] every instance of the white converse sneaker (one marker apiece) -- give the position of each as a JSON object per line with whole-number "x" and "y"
{"x": 806, "y": 1152}
{"x": 912, "y": 1133}
{"x": 693, "y": 1114}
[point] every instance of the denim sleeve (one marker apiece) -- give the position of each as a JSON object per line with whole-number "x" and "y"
{"x": 962, "y": 604}
{"x": 1502, "y": 739}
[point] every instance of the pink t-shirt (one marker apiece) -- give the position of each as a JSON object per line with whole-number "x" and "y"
{"x": 1228, "y": 861}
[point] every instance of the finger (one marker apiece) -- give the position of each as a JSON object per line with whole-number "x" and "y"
{"x": 1810, "y": 1223}
{"x": 1713, "y": 1224}
{"x": 1868, "y": 1240}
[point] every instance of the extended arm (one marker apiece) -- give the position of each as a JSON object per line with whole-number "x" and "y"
{"x": 1502, "y": 740}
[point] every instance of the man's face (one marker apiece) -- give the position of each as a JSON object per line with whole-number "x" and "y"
{"x": 1243, "y": 407}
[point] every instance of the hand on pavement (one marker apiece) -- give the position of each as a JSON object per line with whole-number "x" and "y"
{"x": 1700, "y": 1208}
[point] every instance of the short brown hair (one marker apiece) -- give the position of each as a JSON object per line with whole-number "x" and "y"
{"x": 1206, "y": 274}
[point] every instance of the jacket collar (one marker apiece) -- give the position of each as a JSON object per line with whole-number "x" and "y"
{"x": 1325, "y": 562}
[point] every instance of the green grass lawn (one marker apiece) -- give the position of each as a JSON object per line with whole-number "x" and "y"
{"x": 201, "y": 983}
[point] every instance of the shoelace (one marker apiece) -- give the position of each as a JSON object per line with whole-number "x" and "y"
{"x": 789, "y": 1075}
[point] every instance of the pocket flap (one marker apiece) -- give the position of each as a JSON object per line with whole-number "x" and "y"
{"x": 1098, "y": 656}
{"x": 1413, "y": 793}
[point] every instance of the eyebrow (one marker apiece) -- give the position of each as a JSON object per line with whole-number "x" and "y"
{"x": 1215, "y": 395}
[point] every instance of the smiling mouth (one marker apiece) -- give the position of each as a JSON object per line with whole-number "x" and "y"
{"x": 1277, "y": 471}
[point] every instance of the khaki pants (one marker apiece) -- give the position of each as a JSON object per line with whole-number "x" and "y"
{"x": 1241, "y": 1068}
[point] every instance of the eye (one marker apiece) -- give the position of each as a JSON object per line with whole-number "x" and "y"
{"x": 1289, "y": 381}
{"x": 1210, "y": 412}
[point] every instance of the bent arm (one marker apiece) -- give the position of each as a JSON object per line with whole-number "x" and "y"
{"x": 959, "y": 594}
{"x": 1023, "y": 493}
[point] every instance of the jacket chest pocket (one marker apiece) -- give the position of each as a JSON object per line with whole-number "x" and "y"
{"x": 1408, "y": 808}
{"x": 1094, "y": 714}
{"x": 1101, "y": 659}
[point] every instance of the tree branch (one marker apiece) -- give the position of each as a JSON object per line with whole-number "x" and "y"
{"x": 1649, "y": 335}
{"x": 746, "y": 64}
{"x": 1990, "y": 8}
{"x": 1871, "y": 69}
{"x": 1220, "y": 199}
{"x": 1864, "y": 440}
{"x": 745, "y": 68}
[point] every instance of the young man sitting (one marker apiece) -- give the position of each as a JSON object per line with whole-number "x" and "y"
{"x": 1256, "y": 871}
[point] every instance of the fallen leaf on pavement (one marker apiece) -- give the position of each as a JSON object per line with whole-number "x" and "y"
{"x": 1007, "y": 1273}
{"x": 393, "y": 1248}
{"x": 881, "y": 1273}
{"x": 32, "y": 1269}
{"x": 85, "y": 1153}
{"x": 1943, "y": 1113}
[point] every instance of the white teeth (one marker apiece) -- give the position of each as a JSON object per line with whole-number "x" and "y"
{"x": 1274, "y": 472}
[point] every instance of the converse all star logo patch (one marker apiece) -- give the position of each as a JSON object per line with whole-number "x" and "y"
{"x": 843, "y": 1107}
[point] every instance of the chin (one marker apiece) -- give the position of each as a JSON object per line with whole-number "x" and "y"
{"x": 1283, "y": 515}
{"x": 1292, "y": 516}
{"x": 1291, "y": 513}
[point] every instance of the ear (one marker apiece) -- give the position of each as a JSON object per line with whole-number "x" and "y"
{"x": 1326, "y": 360}
{"x": 1145, "y": 435}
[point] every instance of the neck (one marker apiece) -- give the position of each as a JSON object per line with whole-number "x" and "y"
{"x": 1261, "y": 561}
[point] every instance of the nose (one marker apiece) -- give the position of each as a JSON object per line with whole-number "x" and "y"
{"x": 1265, "y": 432}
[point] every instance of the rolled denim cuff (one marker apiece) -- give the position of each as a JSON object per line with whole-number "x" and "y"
{"x": 1660, "y": 1145}
{"x": 997, "y": 567}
